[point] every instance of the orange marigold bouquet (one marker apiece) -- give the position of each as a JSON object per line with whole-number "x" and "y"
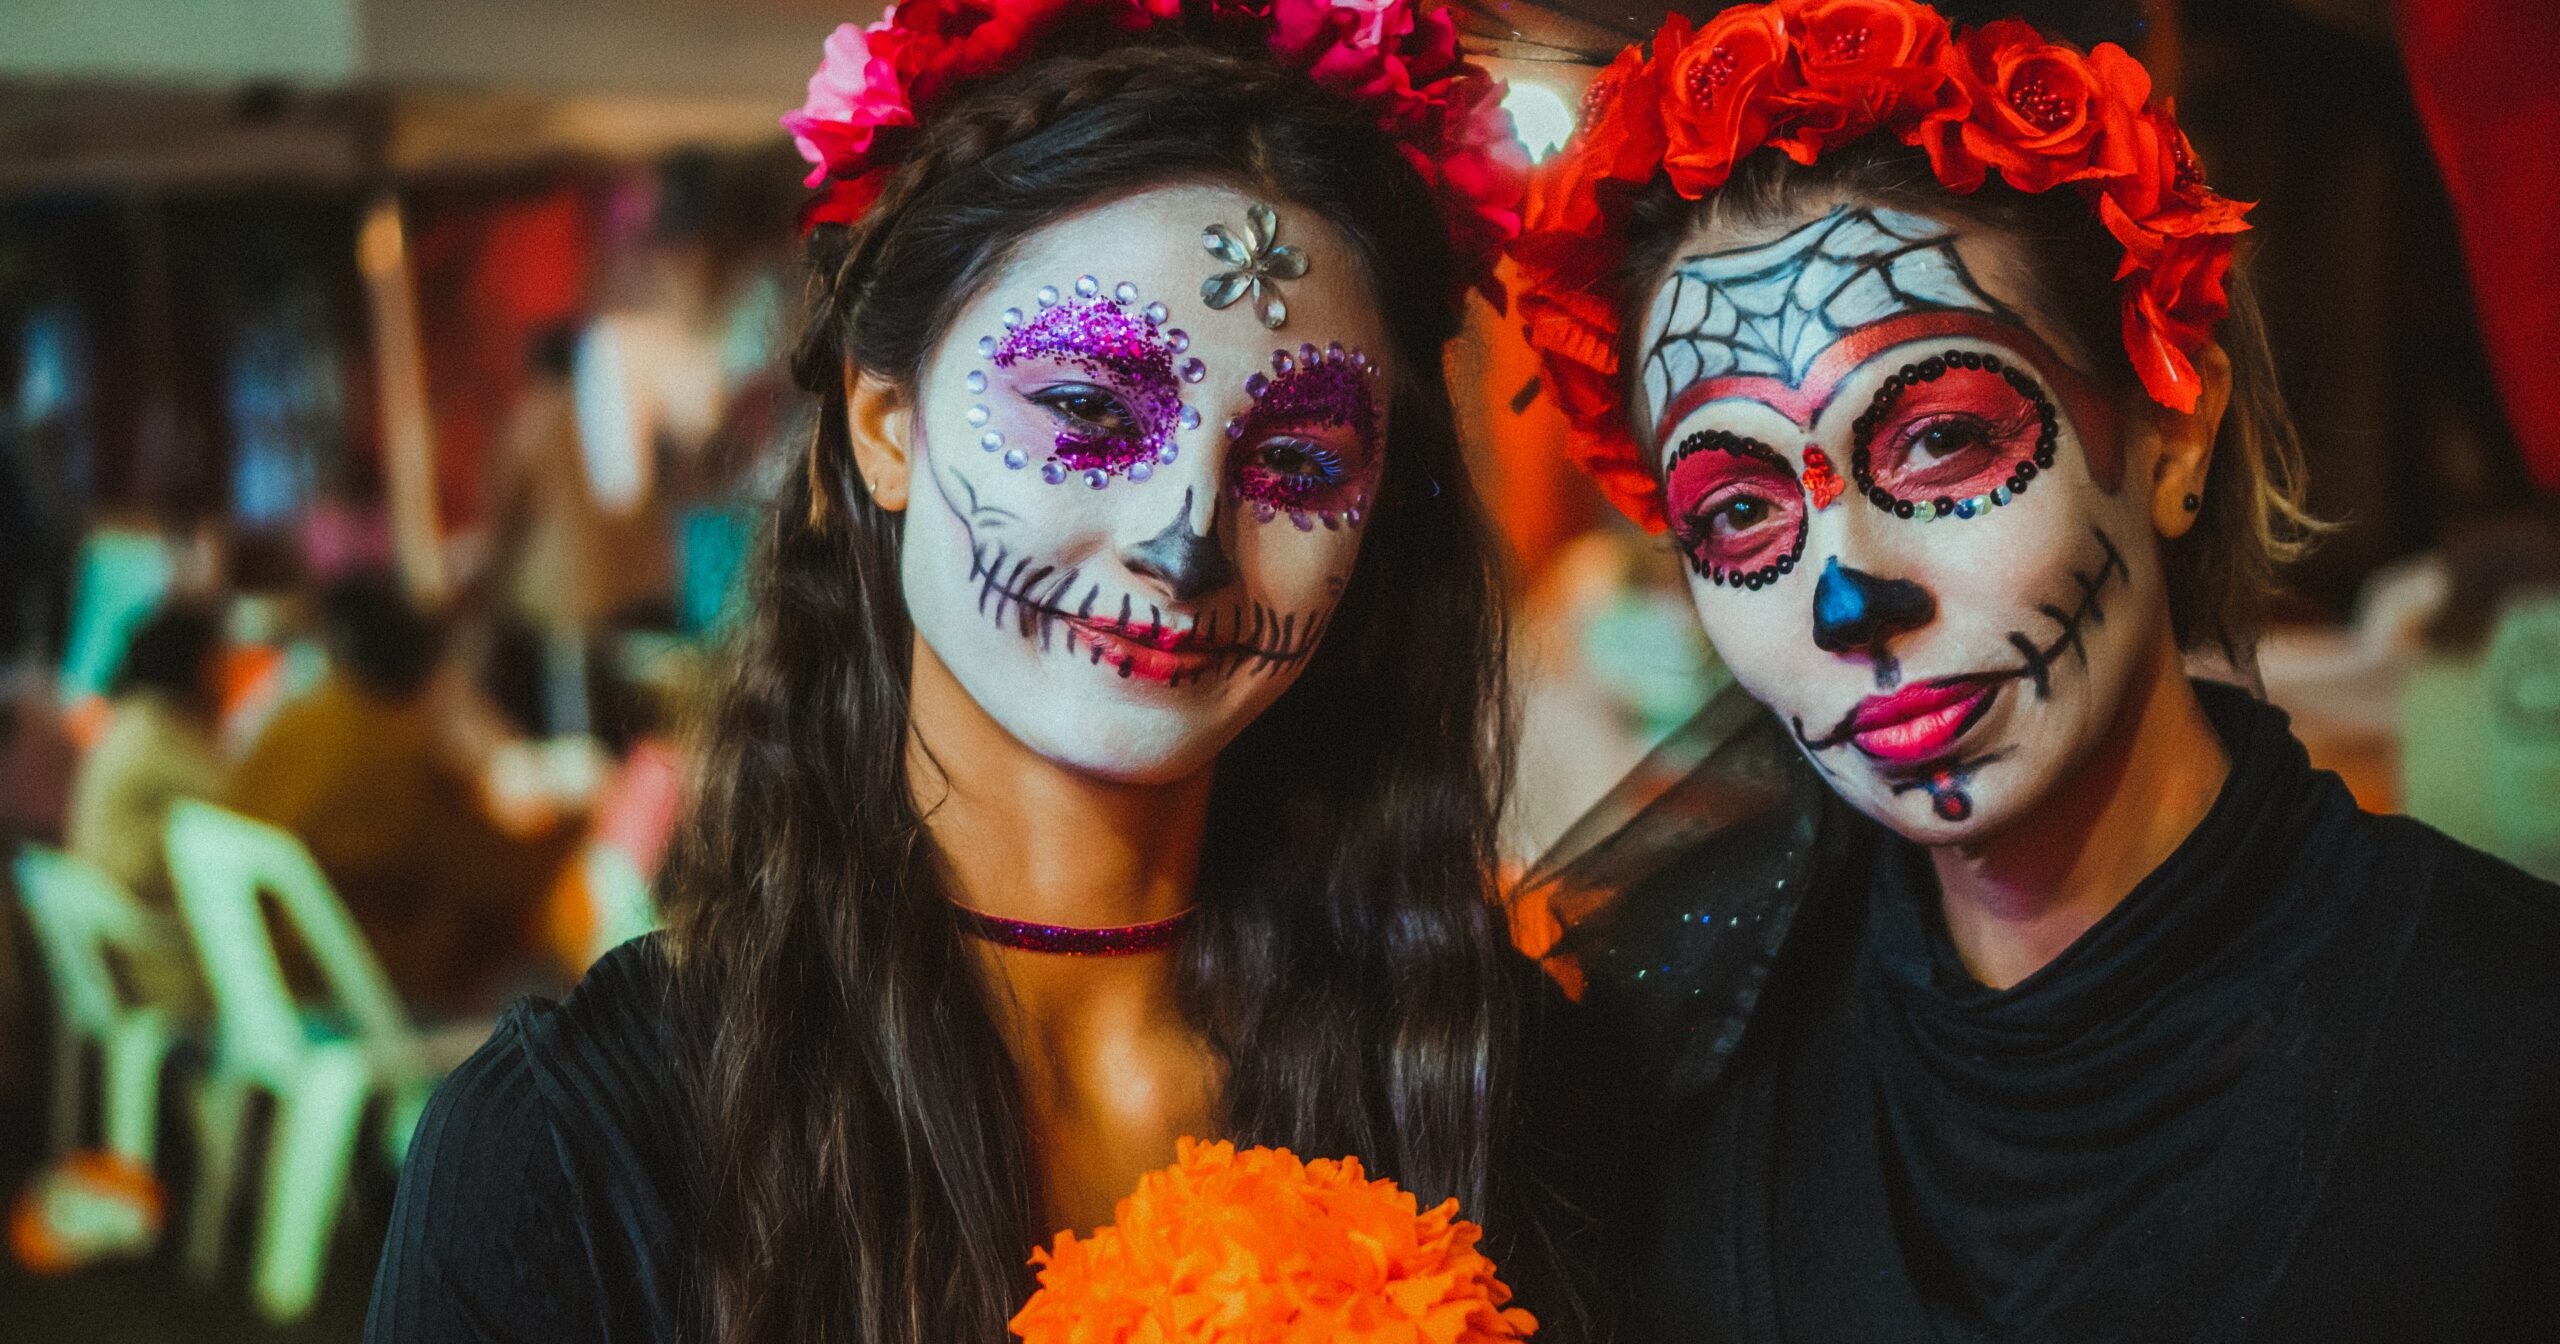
{"x": 1258, "y": 1247}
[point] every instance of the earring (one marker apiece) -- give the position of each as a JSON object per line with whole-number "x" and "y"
{"x": 2192, "y": 502}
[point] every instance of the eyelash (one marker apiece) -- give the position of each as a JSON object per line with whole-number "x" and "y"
{"x": 2022, "y": 471}
{"x": 1695, "y": 527}
{"x": 1058, "y": 399}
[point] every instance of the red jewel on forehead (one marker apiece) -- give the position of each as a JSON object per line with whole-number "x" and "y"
{"x": 1821, "y": 480}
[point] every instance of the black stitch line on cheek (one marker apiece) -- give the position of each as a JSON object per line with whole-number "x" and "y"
{"x": 2035, "y": 661}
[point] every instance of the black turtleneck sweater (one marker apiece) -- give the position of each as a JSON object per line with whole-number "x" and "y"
{"x": 2303, "y": 1084}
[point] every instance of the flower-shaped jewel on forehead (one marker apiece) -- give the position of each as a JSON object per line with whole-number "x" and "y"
{"x": 1256, "y": 264}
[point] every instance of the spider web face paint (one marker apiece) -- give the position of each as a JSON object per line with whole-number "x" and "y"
{"x": 1945, "y": 680}
{"x": 1772, "y": 310}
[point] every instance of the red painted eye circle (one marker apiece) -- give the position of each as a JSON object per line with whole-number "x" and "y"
{"x": 1953, "y": 435}
{"x": 1735, "y": 507}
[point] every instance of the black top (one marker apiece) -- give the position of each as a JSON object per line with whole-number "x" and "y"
{"x": 545, "y": 1191}
{"x": 541, "y": 1197}
{"x": 2302, "y": 1084}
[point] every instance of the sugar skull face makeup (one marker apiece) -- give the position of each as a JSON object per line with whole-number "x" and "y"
{"x": 1901, "y": 508}
{"x": 1133, "y": 515}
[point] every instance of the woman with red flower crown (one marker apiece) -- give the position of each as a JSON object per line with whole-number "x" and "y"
{"x": 1112, "y": 755}
{"x": 2017, "y": 986}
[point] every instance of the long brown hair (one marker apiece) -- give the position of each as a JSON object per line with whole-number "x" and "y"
{"x": 865, "y": 1173}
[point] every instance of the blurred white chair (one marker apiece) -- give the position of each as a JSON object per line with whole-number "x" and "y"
{"x": 82, "y": 918}
{"x": 321, "y": 1068}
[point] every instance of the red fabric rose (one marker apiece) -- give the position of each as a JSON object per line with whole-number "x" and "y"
{"x": 1619, "y": 140}
{"x": 2171, "y": 310}
{"x": 1864, "y": 63}
{"x": 843, "y": 200}
{"x": 1721, "y": 94}
{"x": 2032, "y": 109}
{"x": 2159, "y": 189}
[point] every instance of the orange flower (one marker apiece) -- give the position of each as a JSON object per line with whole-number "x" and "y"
{"x": 1717, "y": 96}
{"x": 1257, "y": 1247}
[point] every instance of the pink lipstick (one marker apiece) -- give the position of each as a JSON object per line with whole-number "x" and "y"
{"x": 1919, "y": 723}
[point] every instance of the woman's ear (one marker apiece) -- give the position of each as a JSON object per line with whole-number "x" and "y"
{"x": 875, "y": 420}
{"x": 2182, "y": 443}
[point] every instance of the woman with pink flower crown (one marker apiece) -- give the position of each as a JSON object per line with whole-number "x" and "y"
{"x": 1114, "y": 752}
{"x": 1993, "y": 978}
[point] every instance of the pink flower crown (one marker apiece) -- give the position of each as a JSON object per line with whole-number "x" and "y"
{"x": 1805, "y": 77}
{"x": 1443, "y": 110}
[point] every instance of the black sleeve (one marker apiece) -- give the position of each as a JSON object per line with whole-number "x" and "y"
{"x": 482, "y": 1247}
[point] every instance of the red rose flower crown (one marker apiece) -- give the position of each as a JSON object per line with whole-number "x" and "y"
{"x": 1807, "y": 76}
{"x": 1443, "y": 110}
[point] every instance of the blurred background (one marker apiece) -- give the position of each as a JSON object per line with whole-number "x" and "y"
{"x": 387, "y": 386}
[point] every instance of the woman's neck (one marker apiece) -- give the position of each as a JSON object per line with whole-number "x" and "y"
{"x": 1112, "y": 1072}
{"x": 1025, "y": 838}
{"x": 2014, "y": 901}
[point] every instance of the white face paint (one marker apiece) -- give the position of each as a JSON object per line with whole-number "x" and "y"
{"x": 1902, "y": 512}
{"x": 1134, "y": 514}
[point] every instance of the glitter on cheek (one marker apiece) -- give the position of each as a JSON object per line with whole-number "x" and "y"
{"x": 1314, "y": 389}
{"x": 1126, "y": 351}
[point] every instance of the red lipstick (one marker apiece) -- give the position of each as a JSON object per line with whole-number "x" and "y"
{"x": 1919, "y": 723}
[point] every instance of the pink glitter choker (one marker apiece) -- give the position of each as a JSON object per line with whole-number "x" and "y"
{"x": 1070, "y": 941}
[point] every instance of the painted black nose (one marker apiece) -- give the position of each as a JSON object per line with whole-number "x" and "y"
{"x": 1189, "y": 564}
{"x": 1855, "y": 612}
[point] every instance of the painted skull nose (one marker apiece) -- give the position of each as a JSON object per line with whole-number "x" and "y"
{"x": 1189, "y": 564}
{"x": 1856, "y": 612}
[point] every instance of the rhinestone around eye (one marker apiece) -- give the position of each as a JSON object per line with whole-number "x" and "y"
{"x": 1193, "y": 370}
{"x": 1088, "y": 286}
{"x": 1052, "y": 472}
{"x": 1178, "y": 339}
{"x": 977, "y": 380}
{"x": 1125, "y": 292}
{"x": 1015, "y": 459}
{"x": 977, "y": 416}
{"x": 1307, "y": 353}
{"x": 1157, "y": 313}
{"x": 1139, "y": 471}
{"x": 1256, "y": 385}
{"x": 1333, "y": 351}
{"x": 1097, "y": 479}
{"x": 1281, "y": 363}
{"x": 1048, "y": 296}
{"x": 1012, "y": 317}
{"x": 1190, "y": 417}
{"x": 1168, "y": 453}
{"x": 987, "y": 347}
{"x": 991, "y": 440}
{"x": 1235, "y": 427}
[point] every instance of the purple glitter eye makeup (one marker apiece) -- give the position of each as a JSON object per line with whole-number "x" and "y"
{"x": 1119, "y": 417}
{"x": 1286, "y": 462}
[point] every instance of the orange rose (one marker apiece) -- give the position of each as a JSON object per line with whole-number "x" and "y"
{"x": 1865, "y": 63}
{"x": 2035, "y": 107}
{"x": 1721, "y": 92}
